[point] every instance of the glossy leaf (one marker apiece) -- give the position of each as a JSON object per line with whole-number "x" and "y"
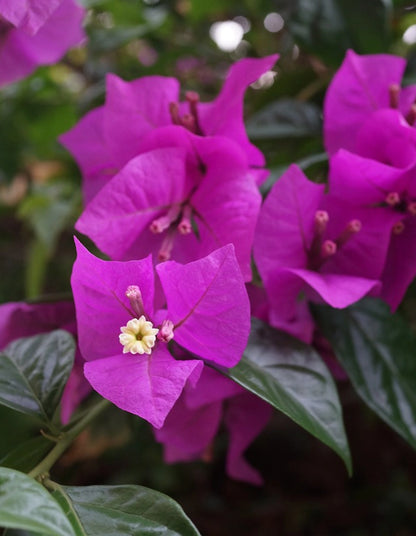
{"x": 16, "y": 532}
{"x": 20, "y": 428}
{"x": 369, "y": 28}
{"x": 115, "y": 510}
{"x": 285, "y": 118}
{"x": 329, "y": 27}
{"x": 33, "y": 373}
{"x": 26, "y": 455}
{"x": 67, "y": 506}
{"x": 377, "y": 350}
{"x": 25, "y": 504}
{"x": 292, "y": 377}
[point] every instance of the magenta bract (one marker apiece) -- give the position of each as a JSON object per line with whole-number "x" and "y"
{"x": 190, "y": 428}
{"x": 311, "y": 242}
{"x": 361, "y": 86}
{"x": 207, "y": 312}
{"x": 133, "y": 110}
{"x": 37, "y": 32}
{"x": 161, "y": 202}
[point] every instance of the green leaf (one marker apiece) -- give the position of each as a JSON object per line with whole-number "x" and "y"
{"x": 377, "y": 351}
{"x": 303, "y": 163}
{"x": 318, "y": 26}
{"x": 16, "y": 532}
{"x": 33, "y": 373}
{"x": 48, "y": 209}
{"x": 20, "y": 428}
{"x": 116, "y": 510}
{"x": 285, "y": 118}
{"x": 369, "y": 28}
{"x": 329, "y": 27}
{"x": 28, "y": 454}
{"x": 65, "y": 502}
{"x": 25, "y": 504}
{"x": 107, "y": 39}
{"x": 292, "y": 377}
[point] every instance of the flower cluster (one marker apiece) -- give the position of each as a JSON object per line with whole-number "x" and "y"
{"x": 355, "y": 237}
{"x": 164, "y": 179}
{"x": 171, "y": 192}
{"x": 369, "y": 130}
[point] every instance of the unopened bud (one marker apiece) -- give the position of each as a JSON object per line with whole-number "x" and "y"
{"x": 166, "y": 331}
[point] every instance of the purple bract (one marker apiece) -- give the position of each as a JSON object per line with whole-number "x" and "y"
{"x": 207, "y": 313}
{"x": 111, "y": 135}
{"x": 36, "y": 32}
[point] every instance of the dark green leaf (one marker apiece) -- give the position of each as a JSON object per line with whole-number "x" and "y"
{"x": 33, "y": 373}
{"x": 103, "y": 40}
{"x": 285, "y": 118}
{"x": 116, "y": 510}
{"x": 318, "y": 25}
{"x": 16, "y": 532}
{"x": 369, "y": 28}
{"x": 303, "y": 163}
{"x": 25, "y": 504}
{"x": 377, "y": 350}
{"x": 292, "y": 377}
{"x": 28, "y": 454}
{"x": 65, "y": 502}
{"x": 20, "y": 428}
{"x": 329, "y": 27}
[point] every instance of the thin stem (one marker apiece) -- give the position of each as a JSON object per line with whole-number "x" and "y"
{"x": 54, "y": 297}
{"x": 66, "y": 440}
{"x": 314, "y": 87}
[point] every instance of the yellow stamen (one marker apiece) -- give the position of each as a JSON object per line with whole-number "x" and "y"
{"x": 138, "y": 336}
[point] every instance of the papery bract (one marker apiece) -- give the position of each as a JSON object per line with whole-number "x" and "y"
{"x": 387, "y": 190}
{"x": 207, "y": 307}
{"x": 34, "y": 33}
{"x": 191, "y": 426}
{"x": 134, "y": 109}
{"x": 367, "y": 113}
{"x": 361, "y": 86}
{"x": 311, "y": 242}
{"x": 28, "y": 15}
{"x": 157, "y": 199}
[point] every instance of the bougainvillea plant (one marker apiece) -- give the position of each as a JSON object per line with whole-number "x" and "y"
{"x": 216, "y": 292}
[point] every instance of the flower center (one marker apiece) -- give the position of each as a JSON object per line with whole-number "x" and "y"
{"x": 322, "y": 249}
{"x": 5, "y": 27}
{"x": 402, "y": 204}
{"x": 138, "y": 336}
{"x": 190, "y": 120}
{"x": 178, "y": 218}
{"x": 394, "y": 98}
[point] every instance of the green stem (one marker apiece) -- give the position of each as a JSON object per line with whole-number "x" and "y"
{"x": 54, "y": 297}
{"x": 66, "y": 440}
{"x": 314, "y": 87}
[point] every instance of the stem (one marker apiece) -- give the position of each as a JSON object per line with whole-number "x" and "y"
{"x": 50, "y": 298}
{"x": 38, "y": 259}
{"x": 66, "y": 440}
{"x": 314, "y": 87}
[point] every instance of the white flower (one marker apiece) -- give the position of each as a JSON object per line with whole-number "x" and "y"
{"x": 138, "y": 336}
